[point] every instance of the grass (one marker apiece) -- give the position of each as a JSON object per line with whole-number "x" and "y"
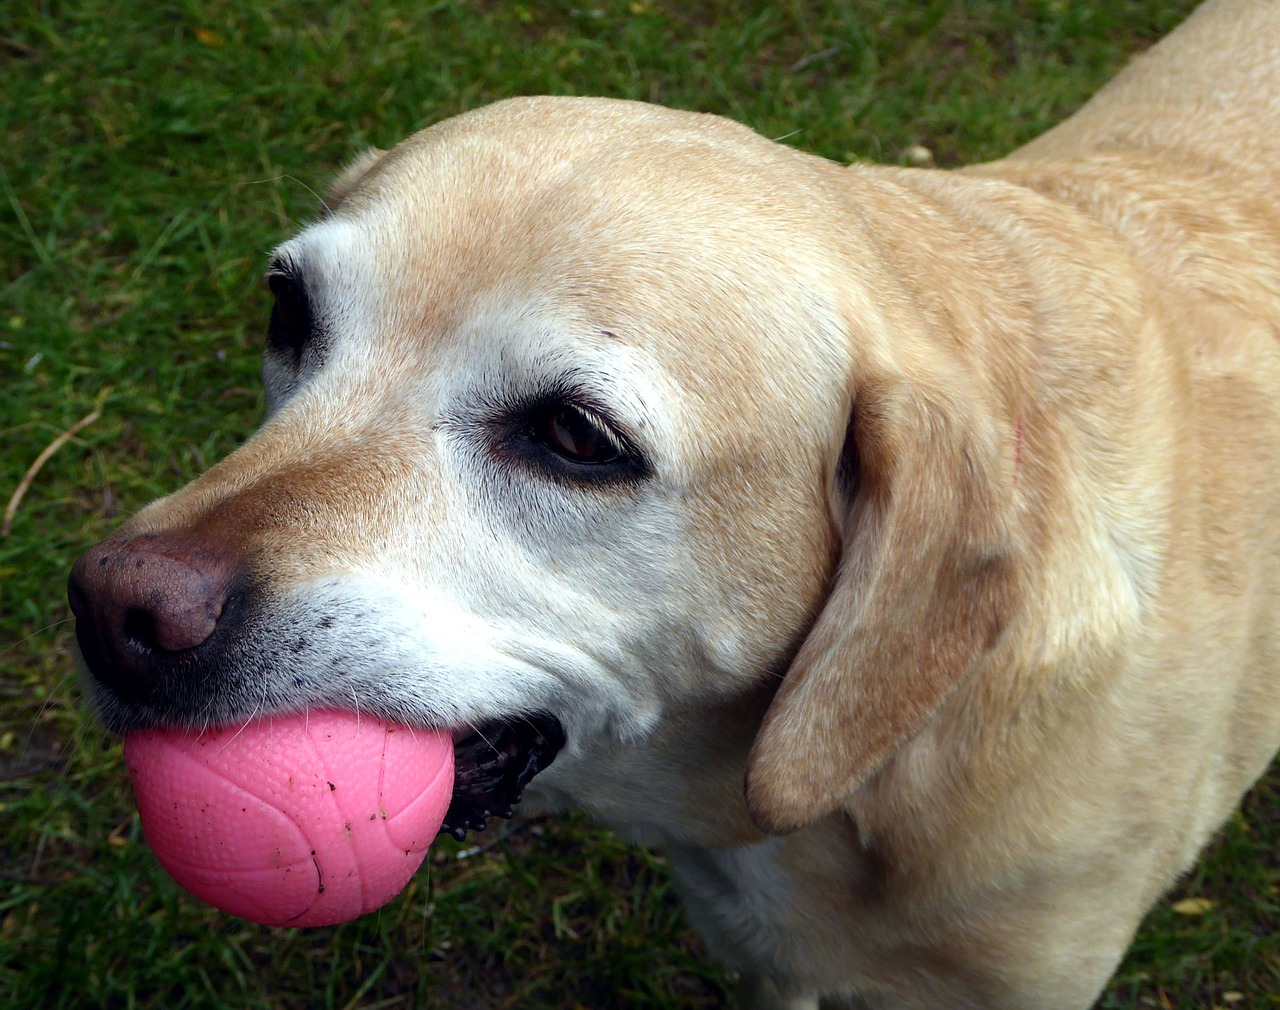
{"x": 152, "y": 154}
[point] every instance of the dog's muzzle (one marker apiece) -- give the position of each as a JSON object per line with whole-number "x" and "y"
{"x": 162, "y": 623}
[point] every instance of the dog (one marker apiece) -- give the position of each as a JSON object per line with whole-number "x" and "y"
{"x": 897, "y": 549}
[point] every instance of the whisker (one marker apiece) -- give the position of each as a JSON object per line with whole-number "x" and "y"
{"x": 294, "y": 179}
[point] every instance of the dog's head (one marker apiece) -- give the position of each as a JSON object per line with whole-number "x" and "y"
{"x": 592, "y": 410}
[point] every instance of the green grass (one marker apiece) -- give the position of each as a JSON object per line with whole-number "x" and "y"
{"x": 150, "y": 156}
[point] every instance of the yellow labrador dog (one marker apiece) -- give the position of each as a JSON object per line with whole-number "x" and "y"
{"x": 897, "y": 549}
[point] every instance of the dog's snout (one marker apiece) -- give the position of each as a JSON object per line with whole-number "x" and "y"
{"x": 141, "y": 603}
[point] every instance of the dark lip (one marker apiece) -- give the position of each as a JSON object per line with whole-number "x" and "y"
{"x": 493, "y": 766}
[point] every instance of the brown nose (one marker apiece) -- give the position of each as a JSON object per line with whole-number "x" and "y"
{"x": 140, "y": 603}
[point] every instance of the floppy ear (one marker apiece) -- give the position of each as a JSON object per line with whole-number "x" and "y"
{"x": 349, "y": 177}
{"x": 927, "y": 579}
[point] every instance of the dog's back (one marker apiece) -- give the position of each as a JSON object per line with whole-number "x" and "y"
{"x": 1209, "y": 92}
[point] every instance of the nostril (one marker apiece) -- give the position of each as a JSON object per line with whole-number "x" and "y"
{"x": 140, "y": 629}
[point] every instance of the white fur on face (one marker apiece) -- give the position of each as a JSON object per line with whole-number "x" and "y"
{"x": 490, "y": 588}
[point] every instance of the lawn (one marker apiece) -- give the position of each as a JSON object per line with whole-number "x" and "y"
{"x": 151, "y": 155}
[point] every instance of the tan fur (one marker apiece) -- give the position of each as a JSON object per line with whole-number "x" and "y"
{"x": 995, "y": 670}
{"x": 350, "y": 177}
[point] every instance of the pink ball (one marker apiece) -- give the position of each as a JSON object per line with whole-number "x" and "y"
{"x": 303, "y": 820}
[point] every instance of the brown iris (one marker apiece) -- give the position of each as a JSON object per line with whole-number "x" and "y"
{"x": 575, "y": 435}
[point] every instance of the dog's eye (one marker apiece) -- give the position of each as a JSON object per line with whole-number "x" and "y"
{"x": 290, "y": 325}
{"x": 575, "y": 435}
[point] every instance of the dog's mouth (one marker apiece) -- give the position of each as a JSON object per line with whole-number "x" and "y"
{"x": 493, "y": 766}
